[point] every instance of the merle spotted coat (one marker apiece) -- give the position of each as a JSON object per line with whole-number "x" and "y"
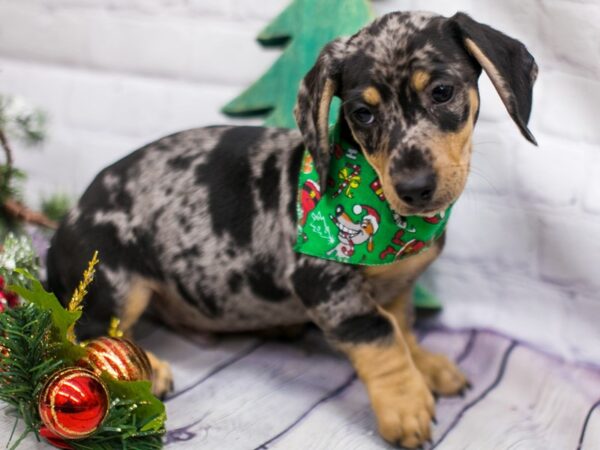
{"x": 199, "y": 225}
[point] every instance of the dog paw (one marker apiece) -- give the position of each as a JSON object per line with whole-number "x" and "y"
{"x": 441, "y": 375}
{"x": 404, "y": 411}
{"x": 162, "y": 376}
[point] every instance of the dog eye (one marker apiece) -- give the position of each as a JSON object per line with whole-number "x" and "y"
{"x": 364, "y": 116}
{"x": 442, "y": 93}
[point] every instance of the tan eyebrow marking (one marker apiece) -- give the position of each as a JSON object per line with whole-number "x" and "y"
{"x": 420, "y": 79}
{"x": 371, "y": 96}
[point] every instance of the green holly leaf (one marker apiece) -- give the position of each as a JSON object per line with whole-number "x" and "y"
{"x": 150, "y": 414}
{"x": 61, "y": 318}
{"x": 37, "y": 295}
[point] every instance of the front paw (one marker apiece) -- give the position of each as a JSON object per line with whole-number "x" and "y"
{"x": 162, "y": 376}
{"x": 441, "y": 375}
{"x": 162, "y": 380}
{"x": 404, "y": 408}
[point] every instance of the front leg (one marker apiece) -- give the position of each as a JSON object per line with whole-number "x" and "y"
{"x": 442, "y": 376}
{"x": 337, "y": 301}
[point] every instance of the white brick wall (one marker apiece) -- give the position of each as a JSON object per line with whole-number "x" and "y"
{"x": 524, "y": 240}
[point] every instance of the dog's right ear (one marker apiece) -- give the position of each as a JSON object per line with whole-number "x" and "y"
{"x": 314, "y": 99}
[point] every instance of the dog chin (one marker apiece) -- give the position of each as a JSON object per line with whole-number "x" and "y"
{"x": 430, "y": 210}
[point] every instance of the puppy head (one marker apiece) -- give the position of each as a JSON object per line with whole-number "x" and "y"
{"x": 408, "y": 85}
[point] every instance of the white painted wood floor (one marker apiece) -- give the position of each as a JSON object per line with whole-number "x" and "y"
{"x": 245, "y": 393}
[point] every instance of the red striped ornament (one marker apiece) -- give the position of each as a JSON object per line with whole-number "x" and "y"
{"x": 53, "y": 439}
{"x": 73, "y": 403}
{"x": 120, "y": 358}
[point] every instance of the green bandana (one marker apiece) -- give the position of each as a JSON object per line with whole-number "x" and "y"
{"x": 353, "y": 223}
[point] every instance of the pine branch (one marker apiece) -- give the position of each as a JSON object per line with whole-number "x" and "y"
{"x": 19, "y": 211}
{"x": 32, "y": 359}
{"x": 120, "y": 431}
{"x": 7, "y": 170}
{"x": 21, "y": 120}
{"x": 27, "y": 361}
{"x": 30, "y": 124}
{"x": 8, "y": 152}
{"x": 56, "y": 206}
{"x": 33, "y": 346}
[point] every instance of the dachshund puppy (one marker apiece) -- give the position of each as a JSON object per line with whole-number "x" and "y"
{"x": 206, "y": 226}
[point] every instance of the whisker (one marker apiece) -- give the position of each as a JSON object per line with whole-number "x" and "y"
{"x": 476, "y": 172}
{"x": 485, "y": 142}
{"x": 350, "y": 99}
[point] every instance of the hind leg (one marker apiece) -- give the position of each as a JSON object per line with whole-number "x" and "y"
{"x": 99, "y": 305}
{"x": 67, "y": 258}
{"x": 114, "y": 291}
{"x": 134, "y": 304}
{"x": 112, "y": 294}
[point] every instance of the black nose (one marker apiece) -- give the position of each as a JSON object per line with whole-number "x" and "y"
{"x": 418, "y": 189}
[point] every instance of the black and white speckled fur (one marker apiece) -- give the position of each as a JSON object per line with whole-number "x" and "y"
{"x": 206, "y": 214}
{"x": 205, "y": 220}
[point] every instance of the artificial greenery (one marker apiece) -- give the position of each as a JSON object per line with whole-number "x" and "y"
{"x": 62, "y": 320}
{"x": 122, "y": 429}
{"x": 18, "y": 119}
{"x": 35, "y": 336}
{"x": 56, "y": 206}
{"x": 17, "y": 252}
{"x": 28, "y": 361}
{"x": 11, "y": 182}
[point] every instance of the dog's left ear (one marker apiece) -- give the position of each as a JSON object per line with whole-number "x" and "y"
{"x": 507, "y": 62}
{"x": 314, "y": 99}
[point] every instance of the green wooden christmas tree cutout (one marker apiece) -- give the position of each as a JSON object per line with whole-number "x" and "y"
{"x": 303, "y": 28}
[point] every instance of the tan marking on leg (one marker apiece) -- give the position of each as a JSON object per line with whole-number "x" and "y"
{"x": 400, "y": 398}
{"x": 134, "y": 305}
{"x": 162, "y": 376}
{"x": 441, "y": 375}
{"x": 420, "y": 79}
{"x": 136, "y": 302}
{"x": 372, "y": 96}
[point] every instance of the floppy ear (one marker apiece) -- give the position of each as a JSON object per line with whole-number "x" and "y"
{"x": 507, "y": 62}
{"x": 314, "y": 99}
